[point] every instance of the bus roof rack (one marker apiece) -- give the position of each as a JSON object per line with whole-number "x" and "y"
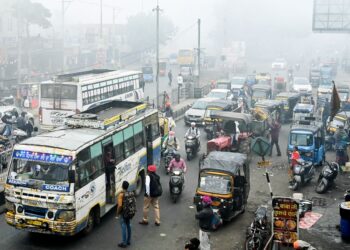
{"x": 107, "y": 115}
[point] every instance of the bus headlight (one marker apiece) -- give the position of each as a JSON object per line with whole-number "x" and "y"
{"x": 10, "y": 206}
{"x": 66, "y": 215}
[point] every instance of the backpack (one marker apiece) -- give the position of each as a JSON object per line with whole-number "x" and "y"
{"x": 129, "y": 205}
{"x": 156, "y": 189}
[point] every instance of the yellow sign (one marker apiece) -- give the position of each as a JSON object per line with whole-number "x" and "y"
{"x": 264, "y": 163}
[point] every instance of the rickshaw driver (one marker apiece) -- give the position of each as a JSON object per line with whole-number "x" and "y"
{"x": 194, "y": 131}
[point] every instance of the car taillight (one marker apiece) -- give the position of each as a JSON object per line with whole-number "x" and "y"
{"x": 40, "y": 114}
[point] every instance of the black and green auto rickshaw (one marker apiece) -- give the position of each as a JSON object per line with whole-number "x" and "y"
{"x": 289, "y": 99}
{"x": 260, "y": 92}
{"x": 225, "y": 177}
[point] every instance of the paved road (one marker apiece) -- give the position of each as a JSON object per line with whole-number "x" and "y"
{"x": 178, "y": 223}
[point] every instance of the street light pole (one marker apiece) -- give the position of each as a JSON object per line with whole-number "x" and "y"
{"x": 199, "y": 50}
{"x": 101, "y": 19}
{"x": 63, "y": 23}
{"x": 157, "y": 9}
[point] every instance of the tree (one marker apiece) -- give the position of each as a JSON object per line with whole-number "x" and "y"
{"x": 32, "y": 14}
{"x": 141, "y": 31}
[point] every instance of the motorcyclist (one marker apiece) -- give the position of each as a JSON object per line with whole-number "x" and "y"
{"x": 341, "y": 139}
{"x": 194, "y": 131}
{"x": 295, "y": 158}
{"x": 21, "y": 121}
{"x": 177, "y": 163}
{"x": 171, "y": 143}
{"x": 168, "y": 113}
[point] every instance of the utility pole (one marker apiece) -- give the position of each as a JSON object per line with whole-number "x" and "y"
{"x": 101, "y": 19}
{"x": 199, "y": 51}
{"x": 157, "y": 9}
{"x": 19, "y": 43}
{"x": 63, "y": 24}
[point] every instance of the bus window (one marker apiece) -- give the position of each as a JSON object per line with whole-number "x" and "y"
{"x": 83, "y": 166}
{"x": 118, "y": 147}
{"x": 128, "y": 141}
{"x": 155, "y": 131}
{"x": 138, "y": 136}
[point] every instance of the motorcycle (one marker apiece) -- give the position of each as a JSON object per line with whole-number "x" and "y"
{"x": 176, "y": 184}
{"x": 327, "y": 177}
{"x": 258, "y": 231}
{"x": 19, "y": 135}
{"x": 302, "y": 174}
{"x": 191, "y": 146}
{"x": 168, "y": 155}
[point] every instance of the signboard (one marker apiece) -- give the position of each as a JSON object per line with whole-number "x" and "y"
{"x": 285, "y": 222}
{"x": 44, "y": 157}
{"x": 264, "y": 163}
{"x": 331, "y": 16}
{"x": 261, "y": 146}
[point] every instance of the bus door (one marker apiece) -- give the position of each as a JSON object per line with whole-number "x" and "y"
{"x": 109, "y": 161}
{"x": 149, "y": 141}
{"x": 57, "y": 97}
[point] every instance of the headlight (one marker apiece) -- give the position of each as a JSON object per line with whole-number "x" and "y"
{"x": 10, "y": 206}
{"x": 66, "y": 215}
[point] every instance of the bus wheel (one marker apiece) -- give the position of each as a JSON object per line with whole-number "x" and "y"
{"x": 139, "y": 184}
{"x": 90, "y": 223}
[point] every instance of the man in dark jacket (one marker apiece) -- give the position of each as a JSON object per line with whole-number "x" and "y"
{"x": 275, "y": 131}
{"x": 152, "y": 193}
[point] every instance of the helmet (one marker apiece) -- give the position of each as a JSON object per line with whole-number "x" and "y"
{"x": 177, "y": 156}
{"x": 207, "y": 200}
{"x": 152, "y": 168}
{"x": 172, "y": 133}
{"x": 193, "y": 124}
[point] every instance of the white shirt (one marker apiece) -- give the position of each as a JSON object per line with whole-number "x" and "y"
{"x": 148, "y": 181}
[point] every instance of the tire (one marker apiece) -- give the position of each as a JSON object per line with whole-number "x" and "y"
{"x": 188, "y": 156}
{"x": 174, "y": 198}
{"x": 209, "y": 136}
{"x": 254, "y": 244}
{"x": 295, "y": 185}
{"x": 321, "y": 187}
{"x": 90, "y": 223}
{"x": 139, "y": 184}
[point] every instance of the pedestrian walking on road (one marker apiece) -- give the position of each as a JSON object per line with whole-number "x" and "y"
{"x": 125, "y": 212}
{"x": 275, "y": 131}
{"x": 152, "y": 193}
{"x": 170, "y": 76}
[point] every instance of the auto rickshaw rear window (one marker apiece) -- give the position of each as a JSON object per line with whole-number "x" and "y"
{"x": 301, "y": 139}
{"x": 217, "y": 184}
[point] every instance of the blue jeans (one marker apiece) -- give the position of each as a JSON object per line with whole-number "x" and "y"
{"x": 126, "y": 230}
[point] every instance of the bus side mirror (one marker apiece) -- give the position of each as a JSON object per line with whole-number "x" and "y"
{"x": 71, "y": 176}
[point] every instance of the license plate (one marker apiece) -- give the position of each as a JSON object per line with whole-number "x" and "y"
{"x": 215, "y": 203}
{"x": 34, "y": 222}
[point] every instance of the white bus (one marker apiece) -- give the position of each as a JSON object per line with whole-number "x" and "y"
{"x": 77, "y": 92}
{"x": 60, "y": 182}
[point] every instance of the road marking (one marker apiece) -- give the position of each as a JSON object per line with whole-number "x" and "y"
{"x": 162, "y": 235}
{"x": 191, "y": 207}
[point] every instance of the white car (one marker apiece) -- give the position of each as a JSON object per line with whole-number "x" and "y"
{"x": 279, "y": 64}
{"x": 223, "y": 94}
{"x": 325, "y": 87}
{"x": 301, "y": 85}
{"x": 197, "y": 111}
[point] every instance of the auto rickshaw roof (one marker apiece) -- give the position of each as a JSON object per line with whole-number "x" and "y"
{"x": 303, "y": 108}
{"x": 224, "y": 161}
{"x": 268, "y": 103}
{"x": 262, "y": 87}
{"x": 344, "y": 114}
{"x": 313, "y": 128}
{"x": 228, "y": 115}
{"x": 287, "y": 95}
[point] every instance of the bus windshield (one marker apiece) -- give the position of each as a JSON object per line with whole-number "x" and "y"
{"x": 67, "y": 91}
{"x": 36, "y": 171}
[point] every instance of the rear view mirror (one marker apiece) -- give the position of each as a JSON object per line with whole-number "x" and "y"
{"x": 71, "y": 176}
